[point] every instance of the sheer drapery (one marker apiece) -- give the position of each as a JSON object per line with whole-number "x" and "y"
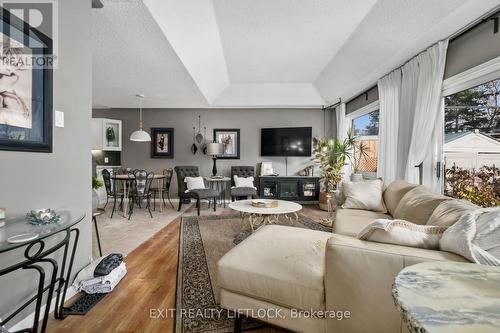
{"x": 389, "y": 88}
{"x": 409, "y": 85}
{"x": 428, "y": 113}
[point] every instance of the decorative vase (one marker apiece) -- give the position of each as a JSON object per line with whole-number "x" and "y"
{"x": 324, "y": 197}
{"x": 356, "y": 177}
{"x": 95, "y": 200}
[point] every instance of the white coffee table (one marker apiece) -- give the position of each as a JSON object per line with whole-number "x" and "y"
{"x": 259, "y": 216}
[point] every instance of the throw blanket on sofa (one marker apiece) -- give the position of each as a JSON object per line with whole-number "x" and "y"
{"x": 475, "y": 236}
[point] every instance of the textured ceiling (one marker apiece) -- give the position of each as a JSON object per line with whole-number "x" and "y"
{"x": 260, "y": 53}
{"x": 131, "y": 55}
{"x": 284, "y": 41}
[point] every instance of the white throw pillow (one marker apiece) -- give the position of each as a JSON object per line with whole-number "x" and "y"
{"x": 243, "y": 181}
{"x": 365, "y": 195}
{"x": 401, "y": 232}
{"x": 194, "y": 183}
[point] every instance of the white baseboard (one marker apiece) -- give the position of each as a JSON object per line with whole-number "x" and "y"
{"x": 28, "y": 320}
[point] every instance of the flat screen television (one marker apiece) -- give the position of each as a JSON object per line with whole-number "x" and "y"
{"x": 286, "y": 141}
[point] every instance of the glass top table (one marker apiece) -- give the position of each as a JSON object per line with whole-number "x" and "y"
{"x": 38, "y": 249}
{"x": 441, "y": 297}
{"x": 18, "y": 225}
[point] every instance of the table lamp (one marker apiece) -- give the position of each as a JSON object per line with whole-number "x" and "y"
{"x": 215, "y": 149}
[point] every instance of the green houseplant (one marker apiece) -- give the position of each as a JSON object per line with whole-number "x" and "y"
{"x": 332, "y": 155}
{"x": 96, "y": 184}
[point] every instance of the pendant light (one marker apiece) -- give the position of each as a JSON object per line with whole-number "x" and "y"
{"x": 140, "y": 135}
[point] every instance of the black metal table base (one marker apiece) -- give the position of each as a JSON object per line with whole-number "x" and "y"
{"x": 35, "y": 254}
{"x": 83, "y": 304}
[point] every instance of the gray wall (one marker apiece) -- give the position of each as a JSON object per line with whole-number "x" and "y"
{"x": 250, "y": 121}
{"x": 468, "y": 50}
{"x": 60, "y": 179}
{"x": 362, "y": 100}
{"x": 472, "y": 48}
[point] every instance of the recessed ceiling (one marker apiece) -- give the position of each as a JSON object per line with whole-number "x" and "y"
{"x": 260, "y": 53}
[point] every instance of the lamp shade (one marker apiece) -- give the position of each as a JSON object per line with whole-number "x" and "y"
{"x": 140, "y": 136}
{"x": 215, "y": 148}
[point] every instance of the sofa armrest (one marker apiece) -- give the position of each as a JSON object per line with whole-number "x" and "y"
{"x": 359, "y": 277}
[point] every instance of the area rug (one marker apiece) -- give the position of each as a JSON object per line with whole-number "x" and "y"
{"x": 203, "y": 241}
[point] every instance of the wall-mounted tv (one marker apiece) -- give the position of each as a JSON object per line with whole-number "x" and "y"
{"x": 286, "y": 141}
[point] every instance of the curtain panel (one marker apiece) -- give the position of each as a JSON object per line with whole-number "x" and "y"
{"x": 426, "y": 128}
{"x": 411, "y": 124}
{"x": 389, "y": 88}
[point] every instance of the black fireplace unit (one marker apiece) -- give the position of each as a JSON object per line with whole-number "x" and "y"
{"x": 292, "y": 188}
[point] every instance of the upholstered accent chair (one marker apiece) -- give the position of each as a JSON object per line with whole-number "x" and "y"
{"x": 242, "y": 192}
{"x": 184, "y": 171}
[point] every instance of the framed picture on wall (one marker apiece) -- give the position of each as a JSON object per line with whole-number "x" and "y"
{"x": 25, "y": 87}
{"x": 162, "y": 142}
{"x": 230, "y": 139}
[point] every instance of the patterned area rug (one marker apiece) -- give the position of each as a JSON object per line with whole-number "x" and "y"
{"x": 203, "y": 241}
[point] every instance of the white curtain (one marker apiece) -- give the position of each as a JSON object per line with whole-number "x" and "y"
{"x": 409, "y": 85}
{"x": 389, "y": 88}
{"x": 426, "y": 127}
{"x": 341, "y": 122}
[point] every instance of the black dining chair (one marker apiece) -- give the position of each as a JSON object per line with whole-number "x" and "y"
{"x": 140, "y": 191}
{"x": 206, "y": 193}
{"x": 111, "y": 191}
{"x": 168, "y": 173}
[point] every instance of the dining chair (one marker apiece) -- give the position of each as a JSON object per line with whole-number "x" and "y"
{"x": 111, "y": 191}
{"x": 141, "y": 190}
{"x": 168, "y": 173}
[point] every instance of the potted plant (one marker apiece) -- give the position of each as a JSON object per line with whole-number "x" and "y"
{"x": 360, "y": 155}
{"x": 332, "y": 155}
{"x": 96, "y": 184}
{"x": 110, "y": 135}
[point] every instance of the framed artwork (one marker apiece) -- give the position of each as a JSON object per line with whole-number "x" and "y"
{"x": 25, "y": 87}
{"x": 230, "y": 139}
{"x": 162, "y": 142}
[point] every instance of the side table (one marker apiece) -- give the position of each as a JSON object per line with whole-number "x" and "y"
{"x": 219, "y": 184}
{"x": 37, "y": 251}
{"x": 442, "y": 297}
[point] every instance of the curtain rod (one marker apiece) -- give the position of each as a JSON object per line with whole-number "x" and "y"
{"x": 331, "y": 106}
{"x": 481, "y": 20}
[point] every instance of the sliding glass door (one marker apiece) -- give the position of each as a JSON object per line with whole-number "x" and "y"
{"x": 472, "y": 144}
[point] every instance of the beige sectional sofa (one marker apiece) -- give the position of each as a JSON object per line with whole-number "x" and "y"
{"x": 294, "y": 269}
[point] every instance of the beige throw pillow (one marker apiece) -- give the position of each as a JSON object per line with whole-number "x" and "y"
{"x": 401, "y": 232}
{"x": 365, "y": 195}
{"x": 418, "y": 205}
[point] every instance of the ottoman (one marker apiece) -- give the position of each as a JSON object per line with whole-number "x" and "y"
{"x": 276, "y": 275}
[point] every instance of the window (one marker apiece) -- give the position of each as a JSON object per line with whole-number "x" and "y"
{"x": 365, "y": 128}
{"x": 472, "y": 144}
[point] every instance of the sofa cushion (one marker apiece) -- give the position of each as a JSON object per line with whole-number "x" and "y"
{"x": 418, "y": 205}
{"x": 448, "y": 212}
{"x": 364, "y": 195}
{"x": 395, "y": 192}
{"x": 279, "y": 264}
{"x": 350, "y": 222}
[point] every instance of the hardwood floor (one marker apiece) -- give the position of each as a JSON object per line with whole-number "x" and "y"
{"x": 149, "y": 284}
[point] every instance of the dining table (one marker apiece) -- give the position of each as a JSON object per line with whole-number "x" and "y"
{"x": 126, "y": 178}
